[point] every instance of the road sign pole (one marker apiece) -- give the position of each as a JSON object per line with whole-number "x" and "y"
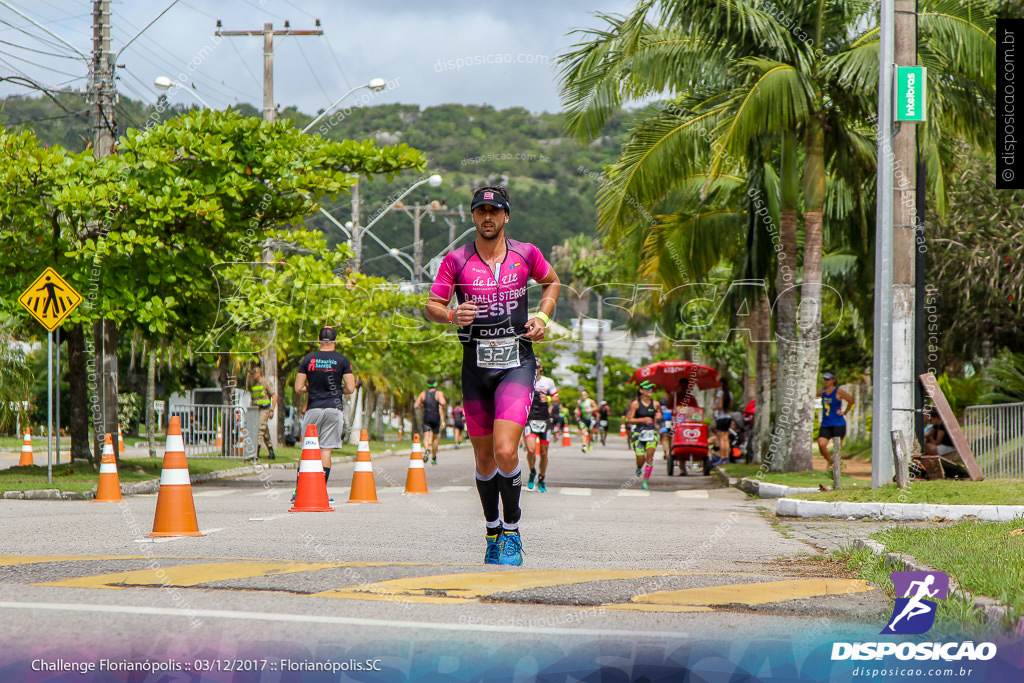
{"x": 56, "y": 372}
{"x": 49, "y": 408}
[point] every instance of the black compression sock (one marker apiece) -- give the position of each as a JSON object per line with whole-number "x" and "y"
{"x": 487, "y": 487}
{"x": 327, "y": 474}
{"x": 511, "y": 485}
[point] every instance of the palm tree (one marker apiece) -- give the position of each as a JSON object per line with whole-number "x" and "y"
{"x": 751, "y": 83}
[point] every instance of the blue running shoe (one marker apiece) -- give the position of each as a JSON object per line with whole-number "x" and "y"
{"x": 493, "y": 550}
{"x": 541, "y": 486}
{"x": 533, "y": 475}
{"x": 511, "y": 549}
{"x": 644, "y": 484}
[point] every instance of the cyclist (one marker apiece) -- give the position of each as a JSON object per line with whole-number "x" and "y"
{"x": 488, "y": 277}
{"x": 544, "y": 393}
{"x": 586, "y": 409}
{"x": 644, "y": 415}
{"x": 603, "y": 413}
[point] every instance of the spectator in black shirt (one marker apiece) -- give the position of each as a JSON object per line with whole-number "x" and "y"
{"x": 325, "y": 375}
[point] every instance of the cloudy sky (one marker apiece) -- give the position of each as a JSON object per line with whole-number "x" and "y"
{"x": 502, "y": 54}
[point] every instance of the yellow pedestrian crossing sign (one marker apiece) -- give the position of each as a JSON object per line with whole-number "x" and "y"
{"x": 50, "y": 299}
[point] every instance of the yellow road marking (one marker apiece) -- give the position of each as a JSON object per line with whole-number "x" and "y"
{"x": 190, "y": 575}
{"x": 750, "y": 593}
{"x": 467, "y": 587}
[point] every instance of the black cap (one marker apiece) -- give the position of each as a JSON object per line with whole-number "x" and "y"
{"x": 327, "y": 334}
{"x": 491, "y": 197}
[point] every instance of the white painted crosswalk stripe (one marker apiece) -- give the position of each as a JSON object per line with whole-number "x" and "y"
{"x": 627, "y": 493}
{"x": 573, "y": 491}
{"x": 699, "y": 493}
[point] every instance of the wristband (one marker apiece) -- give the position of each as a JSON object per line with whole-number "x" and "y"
{"x": 451, "y": 314}
{"x": 543, "y": 317}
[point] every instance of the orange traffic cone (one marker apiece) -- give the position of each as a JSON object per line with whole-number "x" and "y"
{"x": 109, "y": 488}
{"x": 363, "y": 489}
{"x": 622, "y": 429}
{"x": 26, "y": 450}
{"x": 175, "y": 509}
{"x": 566, "y": 439}
{"x": 311, "y": 489}
{"x": 416, "y": 480}
{"x": 120, "y": 440}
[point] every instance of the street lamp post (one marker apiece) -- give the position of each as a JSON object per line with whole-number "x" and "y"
{"x": 375, "y": 84}
{"x": 164, "y": 83}
{"x": 396, "y": 253}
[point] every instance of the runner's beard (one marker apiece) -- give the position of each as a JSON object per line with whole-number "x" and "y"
{"x": 490, "y": 238}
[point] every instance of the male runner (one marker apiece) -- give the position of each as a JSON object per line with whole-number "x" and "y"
{"x": 544, "y": 393}
{"x": 603, "y": 413}
{"x": 587, "y": 410}
{"x": 434, "y": 407}
{"x": 488, "y": 277}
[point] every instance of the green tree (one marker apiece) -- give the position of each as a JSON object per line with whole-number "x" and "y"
{"x": 750, "y": 82}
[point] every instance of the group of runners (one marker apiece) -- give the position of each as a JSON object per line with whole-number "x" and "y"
{"x": 505, "y": 394}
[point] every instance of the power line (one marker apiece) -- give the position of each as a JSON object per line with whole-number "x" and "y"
{"x": 79, "y": 114}
{"x": 264, "y": 9}
{"x": 330, "y": 48}
{"x": 33, "y": 36}
{"x": 299, "y": 8}
{"x": 42, "y": 52}
{"x": 312, "y": 71}
{"x": 166, "y": 66}
{"x": 38, "y": 25}
{"x": 246, "y": 65}
{"x": 41, "y": 66}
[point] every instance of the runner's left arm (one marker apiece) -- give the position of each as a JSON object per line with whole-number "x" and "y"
{"x": 550, "y": 287}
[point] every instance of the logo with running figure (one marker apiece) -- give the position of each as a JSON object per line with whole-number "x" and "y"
{"x": 913, "y": 612}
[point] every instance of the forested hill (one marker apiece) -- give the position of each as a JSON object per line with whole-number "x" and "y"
{"x": 552, "y": 195}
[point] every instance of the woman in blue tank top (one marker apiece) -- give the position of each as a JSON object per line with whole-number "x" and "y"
{"x": 833, "y": 422}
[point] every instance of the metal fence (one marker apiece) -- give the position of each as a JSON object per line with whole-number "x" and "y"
{"x": 996, "y": 435}
{"x": 212, "y": 431}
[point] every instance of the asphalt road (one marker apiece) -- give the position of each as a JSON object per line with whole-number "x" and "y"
{"x": 609, "y": 570}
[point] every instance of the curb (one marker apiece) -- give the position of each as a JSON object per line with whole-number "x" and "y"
{"x": 995, "y": 614}
{"x": 897, "y": 512}
{"x": 764, "y": 489}
{"x": 153, "y": 485}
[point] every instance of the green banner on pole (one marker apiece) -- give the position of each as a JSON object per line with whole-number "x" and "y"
{"x": 911, "y": 103}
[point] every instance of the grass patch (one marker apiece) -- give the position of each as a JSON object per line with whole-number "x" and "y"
{"x": 803, "y": 479}
{"x": 955, "y": 617}
{"x": 81, "y": 476}
{"x": 983, "y": 557}
{"x": 944, "y": 492}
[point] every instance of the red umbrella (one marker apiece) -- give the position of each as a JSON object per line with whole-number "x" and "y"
{"x": 668, "y": 373}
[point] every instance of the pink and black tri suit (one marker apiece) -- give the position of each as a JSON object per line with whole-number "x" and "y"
{"x": 498, "y": 364}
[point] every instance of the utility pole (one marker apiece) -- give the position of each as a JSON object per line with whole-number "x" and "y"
{"x": 357, "y": 236}
{"x": 881, "y": 420}
{"x": 103, "y": 95}
{"x": 268, "y": 359}
{"x": 893, "y": 404}
{"x": 416, "y": 212}
{"x": 904, "y": 239}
